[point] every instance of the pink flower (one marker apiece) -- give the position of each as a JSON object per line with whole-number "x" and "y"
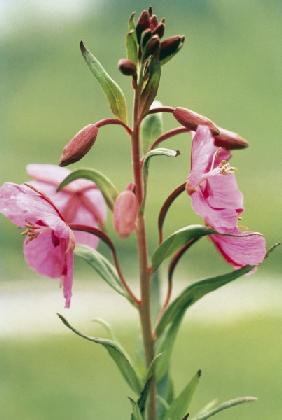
{"x": 49, "y": 242}
{"x": 125, "y": 213}
{"x": 79, "y": 203}
{"x": 216, "y": 198}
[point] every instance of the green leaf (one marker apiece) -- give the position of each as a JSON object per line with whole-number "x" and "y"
{"x": 118, "y": 355}
{"x": 177, "y": 239}
{"x": 151, "y": 88}
{"x": 194, "y": 292}
{"x": 224, "y": 406}
{"x": 113, "y": 92}
{"x": 136, "y": 414}
{"x": 155, "y": 295}
{"x": 102, "y": 267}
{"x": 152, "y": 127}
{"x": 165, "y": 345}
{"x": 165, "y": 395}
{"x": 104, "y": 184}
{"x": 180, "y": 405}
{"x": 146, "y": 162}
{"x": 131, "y": 46}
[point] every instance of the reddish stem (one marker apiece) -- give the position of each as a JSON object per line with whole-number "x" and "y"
{"x": 107, "y": 240}
{"x": 168, "y": 135}
{"x": 113, "y": 121}
{"x": 165, "y": 207}
{"x": 169, "y": 109}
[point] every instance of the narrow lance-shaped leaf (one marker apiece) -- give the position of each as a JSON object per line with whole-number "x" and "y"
{"x": 102, "y": 267}
{"x": 224, "y": 406}
{"x": 145, "y": 390}
{"x": 180, "y": 405}
{"x": 196, "y": 291}
{"x": 104, "y": 184}
{"x": 131, "y": 46}
{"x": 146, "y": 162}
{"x": 177, "y": 239}
{"x": 117, "y": 353}
{"x": 152, "y": 127}
{"x": 113, "y": 92}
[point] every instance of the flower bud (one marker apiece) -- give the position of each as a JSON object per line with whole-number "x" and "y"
{"x": 127, "y": 67}
{"x": 125, "y": 213}
{"x": 79, "y": 145}
{"x": 153, "y": 22}
{"x": 229, "y": 140}
{"x": 160, "y": 29}
{"x": 191, "y": 119}
{"x": 142, "y": 23}
{"x": 152, "y": 46}
{"x": 146, "y": 35}
{"x": 170, "y": 45}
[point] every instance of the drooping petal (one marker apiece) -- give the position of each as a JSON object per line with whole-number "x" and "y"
{"x": 224, "y": 193}
{"x": 68, "y": 278}
{"x": 46, "y": 256}
{"x": 203, "y": 150}
{"x": 219, "y": 219}
{"x": 246, "y": 248}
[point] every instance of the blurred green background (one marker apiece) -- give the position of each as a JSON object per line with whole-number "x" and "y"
{"x": 228, "y": 69}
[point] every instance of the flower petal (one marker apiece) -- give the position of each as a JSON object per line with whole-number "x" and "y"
{"x": 203, "y": 149}
{"x": 219, "y": 219}
{"x": 224, "y": 192}
{"x": 246, "y": 248}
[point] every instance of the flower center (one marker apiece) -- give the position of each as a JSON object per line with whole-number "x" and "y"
{"x": 32, "y": 231}
{"x": 226, "y": 168}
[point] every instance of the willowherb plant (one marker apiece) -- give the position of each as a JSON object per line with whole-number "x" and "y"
{"x": 63, "y": 213}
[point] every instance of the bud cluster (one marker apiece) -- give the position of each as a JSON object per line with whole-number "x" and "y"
{"x": 145, "y": 38}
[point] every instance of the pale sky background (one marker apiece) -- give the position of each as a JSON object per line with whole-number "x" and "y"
{"x": 14, "y": 11}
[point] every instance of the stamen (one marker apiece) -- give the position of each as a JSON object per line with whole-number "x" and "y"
{"x": 226, "y": 168}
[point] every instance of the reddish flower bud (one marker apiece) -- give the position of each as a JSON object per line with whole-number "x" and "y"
{"x": 146, "y": 35}
{"x": 125, "y": 213}
{"x": 160, "y": 29}
{"x": 153, "y": 22}
{"x": 230, "y": 140}
{"x": 79, "y": 145}
{"x": 170, "y": 45}
{"x": 127, "y": 67}
{"x": 191, "y": 119}
{"x": 142, "y": 23}
{"x": 152, "y": 46}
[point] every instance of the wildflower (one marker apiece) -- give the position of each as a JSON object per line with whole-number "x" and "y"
{"x": 79, "y": 203}
{"x": 49, "y": 241}
{"x": 216, "y": 198}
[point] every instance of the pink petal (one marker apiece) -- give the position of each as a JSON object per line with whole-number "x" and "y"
{"x": 203, "y": 149}
{"x": 224, "y": 193}
{"x": 218, "y": 219}
{"x": 248, "y": 248}
{"x": 60, "y": 198}
{"x": 44, "y": 257}
{"x": 22, "y": 205}
{"x": 84, "y": 217}
{"x": 50, "y": 174}
{"x": 68, "y": 278}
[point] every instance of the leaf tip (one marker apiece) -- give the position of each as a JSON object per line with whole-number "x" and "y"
{"x": 199, "y": 373}
{"x": 82, "y": 47}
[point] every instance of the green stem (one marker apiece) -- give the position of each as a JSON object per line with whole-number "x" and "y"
{"x": 145, "y": 276}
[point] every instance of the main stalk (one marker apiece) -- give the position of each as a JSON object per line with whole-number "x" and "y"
{"x": 145, "y": 277}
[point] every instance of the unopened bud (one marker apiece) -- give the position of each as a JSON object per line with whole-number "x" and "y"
{"x": 142, "y": 23}
{"x": 125, "y": 213}
{"x": 146, "y": 35}
{"x": 79, "y": 145}
{"x": 230, "y": 140}
{"x": 153, "y": 22}
{"x": 152, "y": 46}
{"x": 127, "y": 67}
{"x": 191, "y": 119}
{"x": 160, "y": 29}
{"x": 170, "y": 45}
